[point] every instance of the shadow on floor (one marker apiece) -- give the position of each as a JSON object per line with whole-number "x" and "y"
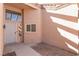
{"x": 48, "y": 50}
{"x": 10, "y": 54}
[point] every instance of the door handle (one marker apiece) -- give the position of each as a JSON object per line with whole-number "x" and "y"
{"x": 15, "y": 32}
{"x": 4, "y": 26}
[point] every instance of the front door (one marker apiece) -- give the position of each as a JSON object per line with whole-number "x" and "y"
{"x": 10, "y": 33}
{"x": 12, "y": 29}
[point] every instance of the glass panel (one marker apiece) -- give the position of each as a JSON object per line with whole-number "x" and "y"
{"x": 19, "y": 18}
{"x": 14, "y": 17}
{"x": 28, "y": 27}
{"x": 33, "y": 27}
{"x": 8, "y": 16}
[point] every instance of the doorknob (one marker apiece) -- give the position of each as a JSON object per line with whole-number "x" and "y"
{"x": 15, "y": 32}
{"x": 4, "y": 26}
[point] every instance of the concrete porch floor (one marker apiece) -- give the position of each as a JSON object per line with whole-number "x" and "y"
{"x": 48, "y": 50}
{"x": 20, "y": 50}
{"x": 36, "y": 50}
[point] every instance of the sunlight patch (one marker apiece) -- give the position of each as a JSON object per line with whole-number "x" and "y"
{"x": 69, "y": 36}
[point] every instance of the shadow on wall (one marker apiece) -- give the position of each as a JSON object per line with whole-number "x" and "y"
{"x": 60, "y": 30}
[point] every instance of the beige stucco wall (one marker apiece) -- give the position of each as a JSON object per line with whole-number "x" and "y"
{"x": 32, "y": 16}
{"x": 33, "y": 5}
{"x": 47, "y": 30}
{"x": 12, "y": 7}
{"x": 1, "y": 29}
{"x": 57, "y": 34}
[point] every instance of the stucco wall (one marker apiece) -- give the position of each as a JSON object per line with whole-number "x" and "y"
{"x": 32, "y": 16}
{"x": 60, "y": 27}
{"x": 1, "y": 29}
{"x": 12, "y": 7}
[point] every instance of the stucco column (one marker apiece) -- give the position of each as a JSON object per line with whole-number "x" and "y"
{"x": 1, "y": 28}
{"x": 78, "y": 30}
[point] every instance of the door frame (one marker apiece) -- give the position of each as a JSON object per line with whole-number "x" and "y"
{"x": 22, "y": 22}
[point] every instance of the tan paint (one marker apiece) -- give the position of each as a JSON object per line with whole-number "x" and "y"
{"x": 12, "y": 7}
{"x": 50, "y": 33}
{"x": 32, "y": 16}
{"x": 46, "y": 30}
{"x": 78, "y": 22}
{"x": 1, "y": 29}
{"x": 33, "y": 5}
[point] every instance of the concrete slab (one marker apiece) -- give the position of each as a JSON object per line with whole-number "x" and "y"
{"x": 21, "y": 50}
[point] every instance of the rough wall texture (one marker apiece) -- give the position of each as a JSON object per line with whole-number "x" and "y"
{"x": 60, "y": 27}
{"x": 32, "y": 16}
{"x": 1, "y": 29}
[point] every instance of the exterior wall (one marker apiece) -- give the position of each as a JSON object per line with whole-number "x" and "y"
{"x": 33, "y": 5}
{"x": 78, "y": 23}
{"x": 60, "y": 27}
{"x": 32, "y": 16}
{"x": 1, "y": 29}
{"x": 51, "y": 28}
{"x": 12, "y": 7}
